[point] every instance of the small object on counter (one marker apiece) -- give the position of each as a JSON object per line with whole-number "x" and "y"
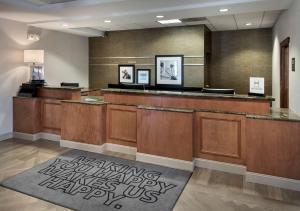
{"x": 29, "y": 89}
{"x": 218, "y": 91}
{"x": 91, "y": 100}
{"x": 69, "y": 84}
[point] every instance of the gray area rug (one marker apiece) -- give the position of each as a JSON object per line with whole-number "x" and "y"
{"x": 88, "y": 181}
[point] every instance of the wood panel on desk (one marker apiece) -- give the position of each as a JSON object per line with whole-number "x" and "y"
{"x": 91, "y": 93}
{"x": 51, "y": 116}
{"x": 83, "y": 123}
{"x": 132, "y": 99}
{"x": 59, "y": 93}
{"x": 26, "y": 115}
{"x": 220, "y": 137}
{"x": 219, "y": 104}
{"x": 273, "y": 148}
{"x": 167, "y": 134}
{"x": 121, "y": 125}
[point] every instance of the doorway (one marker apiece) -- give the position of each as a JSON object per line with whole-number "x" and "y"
{"x": 284, "y": 73}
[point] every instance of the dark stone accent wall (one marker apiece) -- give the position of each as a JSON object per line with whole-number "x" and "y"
{"x": 187, "y": 40}
{"x": 237, "y": 55}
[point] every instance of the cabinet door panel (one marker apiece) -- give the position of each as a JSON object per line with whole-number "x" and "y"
{"x": 51, "y": 116}
{"x": 26, "y": 115}
{"x": 220, "y": 137}
{"x": 83, "y": 123}
{"x": 121, "y": 124}
{"x": 166, "y": 134}
{"x": 273, "y": 148}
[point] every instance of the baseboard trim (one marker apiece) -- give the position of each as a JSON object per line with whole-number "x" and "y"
{"x": 252, "y": 177}
{"x": 220, "y": 166}
{"x": 50, "y": 137}
{"x": 164, "y": 161}
{"x": 26, "y": 136}
{"x": 120, "y": 148}
{"x": 5, "y": 136}
{"x": 279, "y": 182}
{"x": 81, "y": 146}
{"x": 36, "y": 136}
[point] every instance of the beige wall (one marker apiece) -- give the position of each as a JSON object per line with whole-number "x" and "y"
{"x": 66, "y": 59}
{"x": 238, "y": 55}
{"x": 146, "y": 43}
{"x": 288, "y": 26}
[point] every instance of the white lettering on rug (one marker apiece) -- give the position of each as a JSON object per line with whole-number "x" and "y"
{"x": 107, "y": 181}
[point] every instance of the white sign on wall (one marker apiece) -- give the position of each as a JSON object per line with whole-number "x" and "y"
{"x": 257, "y": 85}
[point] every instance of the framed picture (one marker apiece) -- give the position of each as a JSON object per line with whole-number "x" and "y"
{"x": 169, "y": 70}
{"x": 143, "y": 76}
{"x": 126, "y": 74}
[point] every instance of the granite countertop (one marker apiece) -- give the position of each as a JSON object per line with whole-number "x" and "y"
{"x": 278, "y": 114}
{"x": 188, "y": 94}
{"x": 220, "y": 112}
{"x": 62, "y": 87}
{"x": 82, "y": 89}
{"x": 89, "y": 89}
{"x": 165, "y": 109}
{"x": 90, "y": 100}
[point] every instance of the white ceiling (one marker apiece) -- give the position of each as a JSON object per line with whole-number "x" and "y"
{"x": 138, "y": 14}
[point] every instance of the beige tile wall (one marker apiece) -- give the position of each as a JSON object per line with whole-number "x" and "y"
{"x": 237, "y": 55}
{"x": 188, "y": 41}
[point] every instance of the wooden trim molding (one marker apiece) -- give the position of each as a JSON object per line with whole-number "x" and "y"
{"x": 284, "y": 73}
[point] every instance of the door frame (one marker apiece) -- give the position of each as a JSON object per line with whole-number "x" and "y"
{"x": 284, "y": 73}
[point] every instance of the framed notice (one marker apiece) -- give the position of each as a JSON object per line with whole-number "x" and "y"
{"x": 257, "y": 85}
{"x": 143, "y": 76}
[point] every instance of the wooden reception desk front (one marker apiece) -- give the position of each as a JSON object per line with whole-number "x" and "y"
{"x": 233, "y": 133}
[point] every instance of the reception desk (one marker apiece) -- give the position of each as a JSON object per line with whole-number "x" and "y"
{"x": 234, "y": 133}
{"x": 41, "y": 114}
{"x": 185, "y": 125}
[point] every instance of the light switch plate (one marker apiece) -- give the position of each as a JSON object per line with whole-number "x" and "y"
{"x": 293, "y": 64}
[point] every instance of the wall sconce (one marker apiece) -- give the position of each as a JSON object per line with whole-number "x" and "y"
{"x": 35, "y": 58}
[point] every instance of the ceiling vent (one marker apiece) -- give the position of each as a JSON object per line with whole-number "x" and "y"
{"x": 88, "y": 32}
{"x": 192, "y": 20}
{"x": 48, "y": 2}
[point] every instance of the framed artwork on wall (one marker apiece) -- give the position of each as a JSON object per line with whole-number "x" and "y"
{"x": 169, "y": 70}
{"x": 143, "y": 76}
{"x": 126, "y": 74}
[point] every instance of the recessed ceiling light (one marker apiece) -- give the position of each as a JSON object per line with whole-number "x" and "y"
{"x": 223, "y": 10}
{"x": 160, "y": 16}
{"x": 65, "y": 25}
{"x": 172, "y": 21}
{"x": 107, "y": 21}
{"x": 248, "y": 24}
